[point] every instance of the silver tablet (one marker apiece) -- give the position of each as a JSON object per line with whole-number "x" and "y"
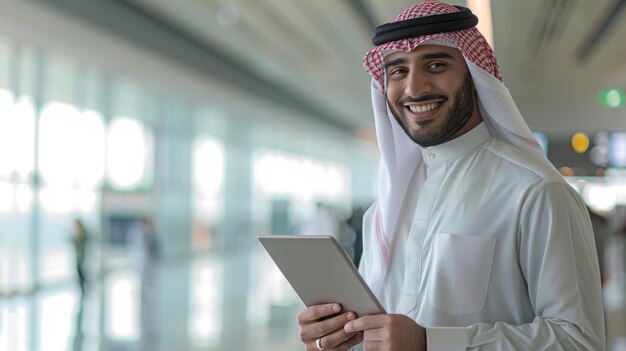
{"x": 321, "y": 272}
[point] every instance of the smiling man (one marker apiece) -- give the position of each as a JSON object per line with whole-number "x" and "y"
{"x": 476, "y": 241}
{"x": 430, "y": 93}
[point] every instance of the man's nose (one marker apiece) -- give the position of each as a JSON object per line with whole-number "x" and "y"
{"x": 417, "y": 84}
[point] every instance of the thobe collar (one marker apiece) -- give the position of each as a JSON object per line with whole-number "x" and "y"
{"x": 456, "y": 147}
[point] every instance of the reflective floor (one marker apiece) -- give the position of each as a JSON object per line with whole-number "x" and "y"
{"x": 232, "y": 300}
{"x": 229, "y": 300}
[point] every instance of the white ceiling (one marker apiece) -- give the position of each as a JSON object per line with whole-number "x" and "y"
{"x": 553, "y": 88}
{"x": 315, "y": 48}
{"x": 312, "y": 51}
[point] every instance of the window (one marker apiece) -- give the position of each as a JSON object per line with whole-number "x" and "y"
{"x": 129, "y": 154}
{"x": 17, "y": 130}
{"x": 71, "y": 147}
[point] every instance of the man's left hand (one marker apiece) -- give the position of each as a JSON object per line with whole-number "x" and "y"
{"x": 387, "y": 332}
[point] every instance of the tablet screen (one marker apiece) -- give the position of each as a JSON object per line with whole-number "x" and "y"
{"x": 321, "y": 272}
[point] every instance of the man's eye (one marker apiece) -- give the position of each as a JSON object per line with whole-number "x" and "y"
{"x": 396, "y": 71}
{"x": 436, "y": 66}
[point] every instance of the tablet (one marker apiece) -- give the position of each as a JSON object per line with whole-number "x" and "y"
{"x": 321, "y": 272}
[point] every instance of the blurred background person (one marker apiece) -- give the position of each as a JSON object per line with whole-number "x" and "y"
{"x": 355, "y": 222}
{"x": 79, "y": 241}
{"x": 145, "y": 254}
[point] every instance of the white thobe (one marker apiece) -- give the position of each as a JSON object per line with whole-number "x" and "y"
{"x": 499, "y": 254}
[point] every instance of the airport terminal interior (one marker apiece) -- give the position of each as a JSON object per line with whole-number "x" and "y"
{"x": 145, "y": 144}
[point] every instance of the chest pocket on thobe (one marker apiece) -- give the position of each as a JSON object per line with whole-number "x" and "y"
{"x": 460, "y": 271}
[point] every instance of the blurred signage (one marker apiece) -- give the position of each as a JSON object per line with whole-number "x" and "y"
{"x": 612, "y": 98}
{"x": 617, "y": 153}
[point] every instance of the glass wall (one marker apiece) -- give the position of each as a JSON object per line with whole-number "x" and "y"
{"x": 79, "y": 142}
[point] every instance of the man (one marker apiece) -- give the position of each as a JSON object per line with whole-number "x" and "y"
{"x": 476, "y": 242}
{"x": 79, "y": 240}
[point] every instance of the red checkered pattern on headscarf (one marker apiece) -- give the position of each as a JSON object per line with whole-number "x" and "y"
{"x": 469, "y": 41}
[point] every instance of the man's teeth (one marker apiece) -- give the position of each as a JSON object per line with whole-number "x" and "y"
{"x": 422, "y": 108}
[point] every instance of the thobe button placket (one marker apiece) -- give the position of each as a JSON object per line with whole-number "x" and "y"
{"x": 431, "y": 155}
{"x": 412, "y": 286}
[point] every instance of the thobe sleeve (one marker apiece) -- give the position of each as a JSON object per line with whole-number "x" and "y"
{"x": 558, "y": 259}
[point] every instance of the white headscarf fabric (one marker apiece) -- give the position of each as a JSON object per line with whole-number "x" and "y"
{"x": 400, "y": 156}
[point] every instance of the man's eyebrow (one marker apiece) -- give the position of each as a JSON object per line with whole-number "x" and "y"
{"x": 399, "y": 60}
{"x": 429, "y": 56}
{"x": 436, "y": 55}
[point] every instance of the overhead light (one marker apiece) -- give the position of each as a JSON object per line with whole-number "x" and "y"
{"x": 580, "y": 142}
{"x": 600, "y": 153}
{"x": 482, "y": 9}
{"x": 600, "y": 197}
{"x": 617, "y": 149}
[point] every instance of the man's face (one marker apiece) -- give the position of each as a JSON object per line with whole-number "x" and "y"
{"x": 430, "y": 93}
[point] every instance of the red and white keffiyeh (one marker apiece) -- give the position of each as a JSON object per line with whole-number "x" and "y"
{"x": 469, "y": 41}
{"x": 400, "y": 156}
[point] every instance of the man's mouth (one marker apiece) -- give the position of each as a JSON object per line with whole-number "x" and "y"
{"x": 424, "y": 107}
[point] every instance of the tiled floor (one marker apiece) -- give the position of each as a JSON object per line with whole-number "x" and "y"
{"x": 223, "y": 301}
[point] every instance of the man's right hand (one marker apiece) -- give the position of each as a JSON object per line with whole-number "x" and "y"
{"x": 315, "y": 323}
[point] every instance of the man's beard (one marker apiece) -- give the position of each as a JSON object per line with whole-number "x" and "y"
{"x": 458, "y": 115}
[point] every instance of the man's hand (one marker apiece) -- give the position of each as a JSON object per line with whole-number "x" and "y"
{"x": 387, "y": 332}
{"x": 315, "y": 323}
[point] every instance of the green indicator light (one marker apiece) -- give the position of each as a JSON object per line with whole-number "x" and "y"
{"x": 612, "y": 98}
